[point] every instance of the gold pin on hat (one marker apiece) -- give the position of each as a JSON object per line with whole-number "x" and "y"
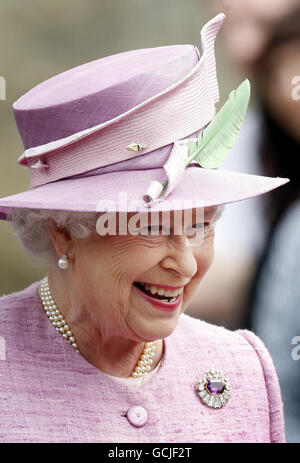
{"x": 136, "y": 147}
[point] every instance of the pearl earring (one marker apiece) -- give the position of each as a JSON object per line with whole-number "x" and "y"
{"x": 63, "y": 262}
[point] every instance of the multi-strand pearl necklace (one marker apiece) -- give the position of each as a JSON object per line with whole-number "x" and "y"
{"x": 54, "y": 315}
{"x": 145, "y": 361}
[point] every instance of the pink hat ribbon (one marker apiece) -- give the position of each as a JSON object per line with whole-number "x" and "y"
{"x": 174, "y": 168}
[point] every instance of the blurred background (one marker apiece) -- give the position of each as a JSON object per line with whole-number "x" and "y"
{"x": 254, "y": 280}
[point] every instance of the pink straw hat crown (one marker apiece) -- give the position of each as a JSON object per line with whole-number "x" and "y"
{"x": 98, "y": 92}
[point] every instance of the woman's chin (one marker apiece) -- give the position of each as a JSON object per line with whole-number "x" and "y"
{"x": 151, "y": 331}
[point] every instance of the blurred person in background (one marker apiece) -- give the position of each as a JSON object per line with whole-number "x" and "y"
{"x": 249, "y": 25}
{"x": 242, "y": 230}
{"x": 275, "y": 297}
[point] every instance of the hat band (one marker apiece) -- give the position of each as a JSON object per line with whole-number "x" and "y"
{"x": 174, "y": 114}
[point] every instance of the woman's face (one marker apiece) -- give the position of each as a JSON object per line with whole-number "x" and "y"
{"x": 106, "y": 270}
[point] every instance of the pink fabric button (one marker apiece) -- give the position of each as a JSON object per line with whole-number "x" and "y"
{"x": 137, "y": 416}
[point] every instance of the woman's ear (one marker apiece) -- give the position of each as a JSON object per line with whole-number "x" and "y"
{"x": 61, "y": 238}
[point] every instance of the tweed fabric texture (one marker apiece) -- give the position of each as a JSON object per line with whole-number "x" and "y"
{"x": 49, "y": 393}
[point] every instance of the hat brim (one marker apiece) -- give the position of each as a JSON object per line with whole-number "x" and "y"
{"x": 123, "y": 191}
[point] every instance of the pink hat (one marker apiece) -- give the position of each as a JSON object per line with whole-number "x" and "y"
{"x": 109, "y": 133}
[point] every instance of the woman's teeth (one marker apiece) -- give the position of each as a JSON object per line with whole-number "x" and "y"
{"x": 165, "y": 295}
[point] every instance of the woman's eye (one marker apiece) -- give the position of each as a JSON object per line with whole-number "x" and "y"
{"x": 196, "y": 228}
{"x": 158, "y": 230}
{"x": 153, "y": 230}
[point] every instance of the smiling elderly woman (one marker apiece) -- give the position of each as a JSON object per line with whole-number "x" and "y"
{"x": 123, "y": 207}
{"x": 117, "y": 291}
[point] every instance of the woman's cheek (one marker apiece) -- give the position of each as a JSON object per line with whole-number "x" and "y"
{"x": 190, "y": 291}
{"x": 205, "y": 252}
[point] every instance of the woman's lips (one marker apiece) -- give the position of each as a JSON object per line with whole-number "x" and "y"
{"x": 158, "y": 304}
{"x": 162, "y": 286}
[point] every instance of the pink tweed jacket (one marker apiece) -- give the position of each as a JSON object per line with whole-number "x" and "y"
{"x": 49, "y": 393}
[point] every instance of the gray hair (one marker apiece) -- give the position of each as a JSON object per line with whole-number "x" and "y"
{"x": 31, "y": 227}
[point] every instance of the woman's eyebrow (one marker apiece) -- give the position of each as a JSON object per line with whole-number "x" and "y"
{"x": 214, "y": 212}
{"x": 209, "y": 211}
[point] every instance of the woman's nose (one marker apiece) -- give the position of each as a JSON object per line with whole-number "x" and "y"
{"x": 180, "y": 257}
